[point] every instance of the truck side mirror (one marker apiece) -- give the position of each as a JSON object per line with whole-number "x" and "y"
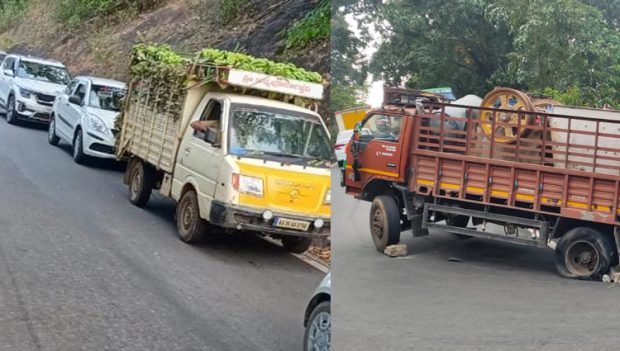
{"x": 9, "y": 72}
{"x": 213, "y": 137}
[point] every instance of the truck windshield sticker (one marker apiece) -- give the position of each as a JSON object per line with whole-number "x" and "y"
{"x": 238, "y": 151}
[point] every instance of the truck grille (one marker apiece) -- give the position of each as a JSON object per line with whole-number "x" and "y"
{"x": 45, "y": 99}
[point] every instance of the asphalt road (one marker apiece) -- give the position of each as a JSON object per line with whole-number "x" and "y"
{"x": 498, "y": 297}
{"x": 83, "y": 269}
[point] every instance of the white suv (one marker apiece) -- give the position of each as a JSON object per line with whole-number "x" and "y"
{"x": 28, "y": 87}
{"x": 84, "y": 115}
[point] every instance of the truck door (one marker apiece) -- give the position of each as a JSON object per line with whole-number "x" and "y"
{"x": 379, "y": 151}
{"x": 199, "y": 159}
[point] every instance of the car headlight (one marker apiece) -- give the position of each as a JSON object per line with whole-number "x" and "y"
{"x": 25, "y": 93}
{"x": 248, "y": 185}
{"x": 328, "y": 197}
{"x": 97, "y": 124}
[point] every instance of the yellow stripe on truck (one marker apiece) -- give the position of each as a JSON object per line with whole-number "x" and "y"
{"x": 375, "y": 171}
{"x": 523, "y": 197}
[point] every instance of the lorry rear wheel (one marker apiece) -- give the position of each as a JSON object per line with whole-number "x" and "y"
{"x": 384, "y": 222}
{"x": 584, "y": 253}
{"x": 141, "y": 182}
{"x": 190, "y": 226}
{"x": 296, "y": 244}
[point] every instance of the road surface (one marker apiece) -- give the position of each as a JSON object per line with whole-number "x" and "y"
{"x": 83, "y": 269}
{"x": 494, "y": 296}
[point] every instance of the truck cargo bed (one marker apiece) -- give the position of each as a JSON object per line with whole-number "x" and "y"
{"x": 559, "y": 165}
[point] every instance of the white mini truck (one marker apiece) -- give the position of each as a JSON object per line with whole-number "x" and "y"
{"x": 263, "y": 167}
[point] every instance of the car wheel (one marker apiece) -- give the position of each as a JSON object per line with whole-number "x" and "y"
{"x": 11, "y": 113}
{"x": 318, "y": 329}
{"x": 190, "y": 226}
{"x": 141, "y": 182}
{"x": 585, "y": 253}
{"x": 384, "y": 222}
{"x": 52, "y": 138}
{"x": 78, "y": 148}
{"x": 296, "y": 244}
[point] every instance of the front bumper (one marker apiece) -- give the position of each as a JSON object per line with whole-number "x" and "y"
{"x": 242, "y": 218}
{"x": 99, "y": 145}
{"x": 32, "y": 110}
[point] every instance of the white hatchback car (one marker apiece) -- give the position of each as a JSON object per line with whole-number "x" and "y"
{"x": 84, "y": 115}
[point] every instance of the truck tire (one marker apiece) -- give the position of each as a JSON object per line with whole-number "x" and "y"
{"x": 141, "y": 182}
{"x": 296, "y": 244}
{"x": 52, "y": 137}
{"x": 384, "y": 222}
{"x": 190, "y": 226}
{"x": 584, "y": 253}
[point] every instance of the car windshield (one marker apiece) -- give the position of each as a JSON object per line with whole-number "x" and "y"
{"x": 275, "y": 132}
{"x": 46, "y": 73}
{"x": 106, "y": 97}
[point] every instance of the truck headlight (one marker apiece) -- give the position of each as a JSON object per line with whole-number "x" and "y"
{"x": 25, "y": 93}
{"x": 248, "y": 185}
{"x": 328, "y": 197}
{"x": 97, "y": 124}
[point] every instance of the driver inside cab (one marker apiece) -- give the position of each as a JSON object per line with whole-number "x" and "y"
{"x": 211, "y": 118}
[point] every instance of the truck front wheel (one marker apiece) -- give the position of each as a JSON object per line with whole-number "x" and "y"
{"x": 295, "y": 244}
{"x": 190, "y": 226}
{"x": 584, "y": 253}
{"x": 384, "y": 222}
{"x": 141, "y": 182}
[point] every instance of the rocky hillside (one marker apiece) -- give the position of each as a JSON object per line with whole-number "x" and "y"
{"x": 100, "y": 45}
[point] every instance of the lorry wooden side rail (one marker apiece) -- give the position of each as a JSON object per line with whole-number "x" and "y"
{"x": 568, "y": 166}
{"x": 556, "y": 176}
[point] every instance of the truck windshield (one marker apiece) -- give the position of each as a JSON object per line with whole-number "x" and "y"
{"x": 275, "y": 132}
{"x": 46, "y": 73}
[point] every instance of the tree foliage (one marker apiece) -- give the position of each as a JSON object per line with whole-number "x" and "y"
{"x": 565, "y": 47}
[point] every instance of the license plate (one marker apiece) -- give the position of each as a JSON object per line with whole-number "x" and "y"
{"x": 291, "y": 224}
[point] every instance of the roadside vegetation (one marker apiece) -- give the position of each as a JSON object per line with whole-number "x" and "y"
{"x": 10, "y": 12}
{"x": 230, "y": 9}
{"x": 314, "y": 27}
{"x": 73, "y": 13}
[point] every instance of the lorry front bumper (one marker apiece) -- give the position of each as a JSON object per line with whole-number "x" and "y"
{"x": 243, "y": 218}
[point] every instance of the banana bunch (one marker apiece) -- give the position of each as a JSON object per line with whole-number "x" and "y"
{"x": 250, "y": 63}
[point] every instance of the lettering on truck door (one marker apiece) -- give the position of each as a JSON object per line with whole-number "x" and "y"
{"x": 199, "y": 160}
{"x": 379, "y": 148}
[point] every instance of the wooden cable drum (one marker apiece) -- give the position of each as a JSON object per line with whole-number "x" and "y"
{"x": 508, "y": 130}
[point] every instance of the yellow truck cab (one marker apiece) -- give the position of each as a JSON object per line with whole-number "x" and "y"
{"x": 260, "y": 165}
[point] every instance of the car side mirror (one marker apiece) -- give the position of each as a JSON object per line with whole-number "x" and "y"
{"x": 9, "y": 72}
{"x": 213, "y": 137}
{"x": 74, "y": 99}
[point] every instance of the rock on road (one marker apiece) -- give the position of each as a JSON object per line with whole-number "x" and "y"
{"x": 453, "y": 294}
{"x": 83, "y": 269}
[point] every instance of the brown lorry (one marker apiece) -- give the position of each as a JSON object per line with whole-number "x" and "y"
{"x": 551, "y": 180}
